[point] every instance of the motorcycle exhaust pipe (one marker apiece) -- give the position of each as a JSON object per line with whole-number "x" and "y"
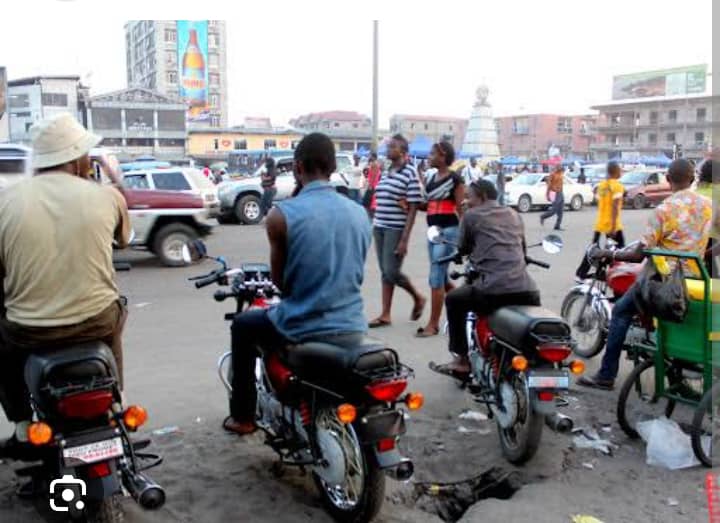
{"x": 403, "y": 471}
{"x": 559, "y": 422}
{"x": 148, "y": 494}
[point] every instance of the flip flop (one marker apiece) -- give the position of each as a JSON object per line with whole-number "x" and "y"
{"x": 422, "y": 333}
{"x": 446, "y": 370}
{"x": 417, "y": 311}
{"x": 377, "y": 323}
{"x": 227, "y": 428}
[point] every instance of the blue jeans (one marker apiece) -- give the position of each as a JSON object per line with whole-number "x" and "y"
{"x": 355, "y": 196}
{"x": 557, "y": 208}
{"x": 438, "y": 271}
{"x": 622, "y": 317}
{"x": 267, "y": 199}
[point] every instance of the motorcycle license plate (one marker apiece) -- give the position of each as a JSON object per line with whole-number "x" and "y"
{"x": 93, "y": 452}
{"x": 549, "y": 380}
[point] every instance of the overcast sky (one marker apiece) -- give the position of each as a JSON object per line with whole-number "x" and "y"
{"x": 535, "y": 56}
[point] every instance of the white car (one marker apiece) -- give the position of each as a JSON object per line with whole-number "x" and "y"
{"x": 530, "y": 190}
{"x": 15, "y": 164}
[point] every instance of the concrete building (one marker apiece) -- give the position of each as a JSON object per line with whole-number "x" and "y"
{"x": 436, "y": 128}
{"x": 349, "y": 130}
{"x": 534, "y": 136}
{"x": 38, "y": 97}
{"x": 212, "y": 145}
{"x": 139, "y": 122}
{"x": 153, "y": 51}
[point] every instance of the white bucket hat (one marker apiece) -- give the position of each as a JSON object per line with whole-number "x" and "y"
{"x": 59, "y": 140}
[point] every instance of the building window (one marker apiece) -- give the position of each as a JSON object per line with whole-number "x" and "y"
{"x": 111, "y": 142}
{"x": 139, "y": 120}
{"x": 55, "y": 99}
{"x": 216, "y": 144}
{"x": 171, "y": 142}
{"x": 520, "y": 126}
{"x": 171, "y": 58}
{"x": 22, "y": 114}
{"x": 213, "y": 39}
{"x": 140, "y": 142}
{"x": 412, "y": 126}
{"x": 270, "y": 144}
{"x": 336, "y": 124}
{"x": 653, "y": 117}
{"x": 652, "y": 139}
{"x": 672, "y": 116}
{"x": 426, "y": 127}
{"x": 19, "y": 101}
{"x": 171, "y": 120}
{"x": 214, "y": 79}
{"x": 450, "y": 126}
{"x": 670, "y": 137}
{"x": 564, "y": 125}
{"x": 170, "y": 35}
{"x": 214, "y": 100}
{"x": 213, "y": 59}
{"x": 701, "y": 114}
{"x": 214, "y": 121}
{"x": 699, "y": 138}
{"x": 104, "y": 119}
{"x": 240, "y": 144}
{"x": 172, "y": 77}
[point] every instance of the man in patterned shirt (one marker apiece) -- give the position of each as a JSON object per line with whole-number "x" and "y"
{"x": 680, "y": 223}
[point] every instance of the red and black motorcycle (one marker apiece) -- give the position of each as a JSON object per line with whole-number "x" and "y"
{"x": 334, "y": 405}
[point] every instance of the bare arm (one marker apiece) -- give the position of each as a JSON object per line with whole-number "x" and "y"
{"x": 277, "y": 236}
{"x": 122, "y": 230}
{"x": 459, "y": 199}
{"x": 402, "y": 247}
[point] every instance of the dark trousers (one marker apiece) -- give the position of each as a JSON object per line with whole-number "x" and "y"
{"x": 556, "y": 208}
{"x": 267, "y": 199}
{"x": 468, "y": 298}
{"x": 584, "y": 269}
{"x": 17, "y": 342}
{"x": 251, "y": 331}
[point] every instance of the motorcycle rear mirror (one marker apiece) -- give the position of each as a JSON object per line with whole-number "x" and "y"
{"x": 194, "y": 251}
{"x": 552, "y": 244}
{"x": 434, "y": 235}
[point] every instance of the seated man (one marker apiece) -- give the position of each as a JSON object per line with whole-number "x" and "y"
{"x": 680, "y": 223}
{"x": 56, "y": 266}
{"x": 318, "y": 244}
{"x": 494, "y": 238}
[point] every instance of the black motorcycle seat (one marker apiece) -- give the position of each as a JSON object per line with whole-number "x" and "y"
{"x": 524, "y": 326}
{"x": 71, "y": 364}
{"x": 339, "y": 353}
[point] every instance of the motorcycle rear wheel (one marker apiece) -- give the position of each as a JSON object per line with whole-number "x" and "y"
{"x": 106, "y": 511}
{"x": 588, "y": 331}
{"x": 361, "y": 496}
{"x": 520, "y": 442}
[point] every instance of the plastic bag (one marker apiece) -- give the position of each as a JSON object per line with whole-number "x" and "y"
{"x": 664, "y": 297}
{"x": 667, "y": 445}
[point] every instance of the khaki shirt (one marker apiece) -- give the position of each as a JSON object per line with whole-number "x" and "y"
{"x": 56, "y": 233}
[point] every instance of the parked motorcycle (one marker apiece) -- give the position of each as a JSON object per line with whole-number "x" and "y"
{"x": 80, "y": 435}
{"x": 518, "y": 359}
{"x": 334, "y": 405}
{"x": 588, "y": 306}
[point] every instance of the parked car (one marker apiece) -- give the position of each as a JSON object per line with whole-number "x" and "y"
{"x": 645, "y": 187}
{"x": 492, "y": 178}
{"x": 15, "y": 164}
{"x": 240, "y": 199}
{"x": 186, "y": 179}
{"x": 530, "y": 190}
{"x": 164, "y": 221}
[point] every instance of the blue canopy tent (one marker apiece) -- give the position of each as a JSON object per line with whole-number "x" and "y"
{"x": 465, "y": 155}
{"x": 660, "y": 160}
{"x": 572, "y": 160}
{"x": 363, "y": 151}
{"x": 420, "y": 147}
{"x": 511, "y": 160}
{"x": 382, "y": 149}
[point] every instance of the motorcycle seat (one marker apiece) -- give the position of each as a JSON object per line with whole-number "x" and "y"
{"x": 72, "y": 364}
{"x": 524, "y": 326}
{"x": 342, "y": 353}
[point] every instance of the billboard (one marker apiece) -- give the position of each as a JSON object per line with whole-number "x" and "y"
{"x": 666, "y": 82}
{"x": 4, "y": 115}
{"x": 192, "y": 48}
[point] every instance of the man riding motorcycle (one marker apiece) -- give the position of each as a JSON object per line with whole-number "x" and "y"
{"x": 56, "y": 268}
{"x": 318, "y": 244}
{"x": 494, "y": 237}
{"x": 680, "y": 223}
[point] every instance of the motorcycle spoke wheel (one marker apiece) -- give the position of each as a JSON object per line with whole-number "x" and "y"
{"x": 587, "y": 325}
{"x": 520, "y": 441}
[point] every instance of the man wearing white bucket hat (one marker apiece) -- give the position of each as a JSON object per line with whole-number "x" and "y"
{"x": 56, "y": 273}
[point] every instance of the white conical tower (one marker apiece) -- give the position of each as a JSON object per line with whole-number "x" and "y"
{"x": 481, "y": 137}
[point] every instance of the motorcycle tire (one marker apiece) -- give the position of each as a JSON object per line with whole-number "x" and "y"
{"x": 108, "y": 510}
{"x": 705, "y": 408}
{"x": 370, "y": 499}
{"x": 592, "y": 348}
{"x": 519, "y": 446}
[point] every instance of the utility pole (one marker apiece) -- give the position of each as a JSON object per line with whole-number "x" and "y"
{"x": 374, "y": 146}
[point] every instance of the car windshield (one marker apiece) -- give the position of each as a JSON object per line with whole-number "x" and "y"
{"x": 527, "y": 179}
{"x": 136, "y": 181}
{"x": 633, "y": 178}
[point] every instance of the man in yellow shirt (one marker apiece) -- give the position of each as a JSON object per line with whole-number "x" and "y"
{"x": 610, "y": 201}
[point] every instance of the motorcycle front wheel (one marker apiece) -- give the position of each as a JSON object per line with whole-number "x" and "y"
{"x": 358, "y": 496}
{"x": 587, "y": 323}
{"x": 520, "y": 442}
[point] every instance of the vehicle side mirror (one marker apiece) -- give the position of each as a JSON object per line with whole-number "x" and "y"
{"x": 434, "y": 235}
{"x": 552, "y": 244}
{"x": 194, "y": 251}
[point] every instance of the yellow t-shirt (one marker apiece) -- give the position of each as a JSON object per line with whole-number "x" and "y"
{"x": 608, "y": 194}
{"x": 56, "y": 236}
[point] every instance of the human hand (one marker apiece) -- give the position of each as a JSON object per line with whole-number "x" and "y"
{"x": 111, "y": 168}
{"x": 402, "y": 249}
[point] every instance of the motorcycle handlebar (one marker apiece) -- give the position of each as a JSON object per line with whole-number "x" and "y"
{"x": 531, "y": 261}
{"x": 206, "y": 280}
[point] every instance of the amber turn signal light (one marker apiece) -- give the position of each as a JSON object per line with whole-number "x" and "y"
{"x": 520, "y": 363}
{"x": 577, "y": 367}
{"x": 39, "y": 433}
{"x": 415, "y": 400}
{"x": 346, "y": 413}
{"x": 135, "y": 417}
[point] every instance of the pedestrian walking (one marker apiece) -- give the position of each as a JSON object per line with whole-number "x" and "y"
{"x": 398, "y": 197}
{"x": 267, "y": 181}
{"x": 374, "y": 172}
{"x": 356, "y": 180}
{"x": 471, "y": 172}
{"x": 556, "y": 197}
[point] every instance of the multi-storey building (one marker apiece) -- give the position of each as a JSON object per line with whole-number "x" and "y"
{"x": 534, "y": 136}
{"x": 436, "y": 128}
{"x": 349, "y": 130}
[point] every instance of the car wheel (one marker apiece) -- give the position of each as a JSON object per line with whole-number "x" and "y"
{"x": 169, "y": 242}
{"x": 639, "y": 202}
{"x": 225, "y": 220}
{"x": 524, "y": 203}
{"x": 247, "y": 210}
{"x": 576, "y": 203}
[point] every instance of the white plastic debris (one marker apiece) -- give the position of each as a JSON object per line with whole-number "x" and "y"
{"x": 588, "y": 438}
{"x": 672, "y": 502}
{"x": 465, "y": 430}
{"x": 166, "y": 430}
{"x": 588, "y": 466}
{"x": 142, "y": 305}
{"x": 473, "y": 415}
{"x": 667, "y": 445}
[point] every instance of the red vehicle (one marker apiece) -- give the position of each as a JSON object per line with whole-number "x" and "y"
{"x": 645, "y": 188}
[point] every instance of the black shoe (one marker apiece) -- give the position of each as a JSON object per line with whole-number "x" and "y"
{"x": 542, "y": 220}
{"x": 596, "y": 382}
{"x": 559, "y": 228}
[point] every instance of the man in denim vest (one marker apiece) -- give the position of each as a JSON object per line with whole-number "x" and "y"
{"x": 318, "y": 245}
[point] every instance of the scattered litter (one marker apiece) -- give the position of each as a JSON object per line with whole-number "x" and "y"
{"x": 198, "y": 420}
{"x": 141, "y": 305}
{"x": 588, "y": 466}
{"x": 473, "y": 415}
{"x": 589, "y": 438}
{"x": 667, "y": 445}
{"x": 166, "y": 431}
{"x": 606, "y": 429}
{"x": 465, "y": 430}
{"x": 672, "y": 502}
{"x": 581, "y": 518}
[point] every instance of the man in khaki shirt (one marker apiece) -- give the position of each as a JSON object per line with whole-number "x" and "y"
{"x": 56, "y": 235}
{"x": 556, "y": 197}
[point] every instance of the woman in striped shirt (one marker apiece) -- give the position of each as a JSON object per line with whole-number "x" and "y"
{"x": 445, "y": 194}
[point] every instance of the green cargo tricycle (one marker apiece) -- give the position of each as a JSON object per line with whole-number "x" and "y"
{"x": 682, "y": 366}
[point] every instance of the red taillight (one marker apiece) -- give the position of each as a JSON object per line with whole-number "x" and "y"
{"x": 387, "y": 390}
{"x": 98, "y": 470}
{"x": 545, "y": 395}
{"x": 385, "y": 445}
{"x": 554, "y": 353}
{"x": 85, "y": 405}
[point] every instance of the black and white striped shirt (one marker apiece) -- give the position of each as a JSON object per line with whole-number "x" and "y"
{"x": 393, "y": 187}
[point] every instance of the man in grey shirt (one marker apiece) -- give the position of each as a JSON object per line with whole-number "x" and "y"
{"x": 494, "y": 238}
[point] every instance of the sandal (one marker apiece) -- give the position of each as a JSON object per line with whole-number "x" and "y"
{"x": 447, "y": 369}
{"x": 422, "y": 333}
{"x": 241, "y": 428}
{"x": 417, "y": 311}
{"x": 378, "y": 322}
